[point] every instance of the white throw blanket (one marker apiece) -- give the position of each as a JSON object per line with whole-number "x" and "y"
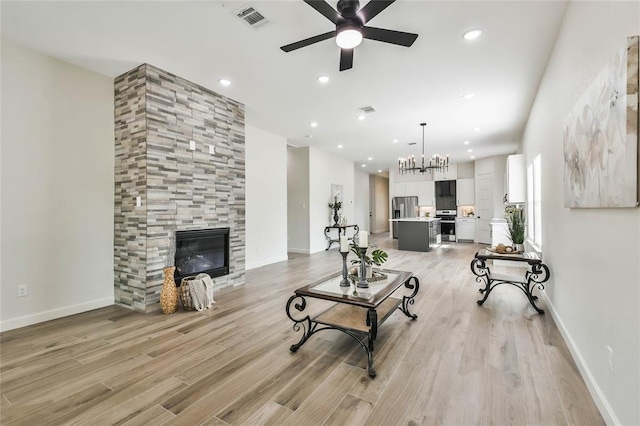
{"x": 201, "y": 289}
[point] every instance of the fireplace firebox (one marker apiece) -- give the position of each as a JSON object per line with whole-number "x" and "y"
{"x": 203, "y": 250}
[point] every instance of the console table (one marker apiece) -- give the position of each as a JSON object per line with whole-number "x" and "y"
{"x": 536, "y": 274}
{"x": 342, "y": 230}
{"x": 357, "y": 312}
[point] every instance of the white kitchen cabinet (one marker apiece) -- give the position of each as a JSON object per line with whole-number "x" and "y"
{"x": 412, "y": 189}
{"x": 450, "y": 174}
{"x": 466, "y": 192}
{"x": 399, "y": 189}
{"x": 427, "y": 193}
{"x": 465, "y": 229}
{"x": 515, "y": 180}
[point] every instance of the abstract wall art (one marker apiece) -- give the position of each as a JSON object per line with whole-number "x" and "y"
{"x": 600, "y": 137}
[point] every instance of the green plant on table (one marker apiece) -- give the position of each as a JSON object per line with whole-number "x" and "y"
{"x": 335, "y": 205}
{"x": 515, "y": 224}
{"x": 378, "y": 257}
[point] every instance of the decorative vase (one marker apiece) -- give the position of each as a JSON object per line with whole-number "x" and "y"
{"x": 518, "y": 247}
{"x": 335, "y": 217}
{"x": 169, "y": 293}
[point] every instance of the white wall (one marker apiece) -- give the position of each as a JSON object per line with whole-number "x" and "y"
{"x": 325, "y": 169}
{"x": 361, "y": 199}
{"x": 57, "y": 188}
{"x": 266, "y": 197}
{"x": 594, "y": 254}
{"x": 298, "y": 200}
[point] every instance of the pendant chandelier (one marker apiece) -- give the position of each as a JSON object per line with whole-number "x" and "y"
{"x": 436, "y": 162}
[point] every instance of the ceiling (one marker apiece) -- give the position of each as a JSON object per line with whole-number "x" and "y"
{"x": 205, "y": 41}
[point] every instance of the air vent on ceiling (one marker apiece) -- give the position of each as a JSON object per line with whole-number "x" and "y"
{"x": 251, "y": 16}
{"x": 367, "y": 109}
{"x": 411, "y": 143}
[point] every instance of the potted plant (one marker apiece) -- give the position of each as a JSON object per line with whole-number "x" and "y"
{"x": 516, "y": 227}
{"x": 378, "y": 257}
{"x": 335, "y": 206}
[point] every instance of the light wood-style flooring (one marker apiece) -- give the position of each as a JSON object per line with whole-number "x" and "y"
{"x": 457, "y": 364}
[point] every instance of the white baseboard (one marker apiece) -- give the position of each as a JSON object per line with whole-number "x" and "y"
{"x": 596, "y": 393}
{"x": 302, "y": 251}
{"x": 260, "y": 263}
{"x": 26, "y": 320}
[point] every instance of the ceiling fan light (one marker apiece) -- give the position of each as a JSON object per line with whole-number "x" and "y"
{"x": 349, "y": 38}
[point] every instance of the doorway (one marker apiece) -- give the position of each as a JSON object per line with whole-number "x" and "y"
{"x": 378, "y": 204}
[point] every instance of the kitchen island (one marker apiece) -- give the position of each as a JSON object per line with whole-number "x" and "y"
{"x": 418, "y": 233}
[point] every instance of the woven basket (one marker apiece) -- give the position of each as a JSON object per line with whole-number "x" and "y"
{"x": 184, "y": 292}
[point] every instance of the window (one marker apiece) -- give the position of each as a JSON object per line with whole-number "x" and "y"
{"x": 534, "y": 203}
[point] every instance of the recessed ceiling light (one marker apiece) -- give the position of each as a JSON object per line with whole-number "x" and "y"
{"x": 370, "y": 158}
{"x": 340, "y": 147}
{"x": 468, "y": 95}
{"x": 472, "y": 35}
{"x": 364, "y": 165}
{"x": 323, "y": 79}
{"x": 476, "y": 129}
{"x": 225, "y": 82}
{"x": 467, "y": 142}
{"x": 395, "y": 141}
{"x": 361, "y": 117}
{"x": 472, "y": 157}
{"x": 308, "y": 136}
{"x": 379, "y": 171}
{"x": 469, "y": 150}
{"x": 314, "y": 124}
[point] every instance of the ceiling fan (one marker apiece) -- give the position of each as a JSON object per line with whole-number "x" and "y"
{"x": 350, "y": 22}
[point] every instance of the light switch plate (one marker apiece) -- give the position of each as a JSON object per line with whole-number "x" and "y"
{"x": 138, "y": 201}
{"x": 212, "y": 149}
{"x": 192, "y": 145}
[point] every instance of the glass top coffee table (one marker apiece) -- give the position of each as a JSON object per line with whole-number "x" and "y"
{"x": 357, "y": 312}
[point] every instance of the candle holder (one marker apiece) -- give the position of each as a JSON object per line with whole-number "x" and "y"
{"x": 362, "y": 280}
{"x": 345, "y": 280}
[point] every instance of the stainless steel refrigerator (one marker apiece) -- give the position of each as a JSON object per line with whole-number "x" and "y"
{"x": 403, "y": 207}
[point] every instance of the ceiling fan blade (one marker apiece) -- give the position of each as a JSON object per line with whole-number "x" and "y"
{"x": 308, "y": 41}
{"x": 389, "y": 36}
{"x": 346, "y": 59}
{"x": 325, "y": 9}
{"x": 371, "y": 9}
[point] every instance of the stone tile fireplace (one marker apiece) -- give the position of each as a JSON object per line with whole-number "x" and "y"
{"x": 179, "y": 166}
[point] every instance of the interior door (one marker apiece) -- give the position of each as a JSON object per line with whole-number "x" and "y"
{"x": 485, "y": 208}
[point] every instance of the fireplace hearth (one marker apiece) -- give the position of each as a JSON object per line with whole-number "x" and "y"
{"x": 202, "y": 251}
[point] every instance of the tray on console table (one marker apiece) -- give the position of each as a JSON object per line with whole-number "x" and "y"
{"x": 357, "y": 312}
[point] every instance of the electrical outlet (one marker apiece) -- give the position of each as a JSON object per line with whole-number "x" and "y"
{"x": 610, "y": 358}
{"x": 22, "y": 291}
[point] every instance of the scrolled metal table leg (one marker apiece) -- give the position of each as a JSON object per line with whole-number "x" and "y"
{"x": 481, "y": 271}
{"x": 409, "y": 300}
{"x": 370, "y": 370}
{"x": 304, "y": 323}
{"x": 539, "y": 274}
{"x": 372, "y": 322}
